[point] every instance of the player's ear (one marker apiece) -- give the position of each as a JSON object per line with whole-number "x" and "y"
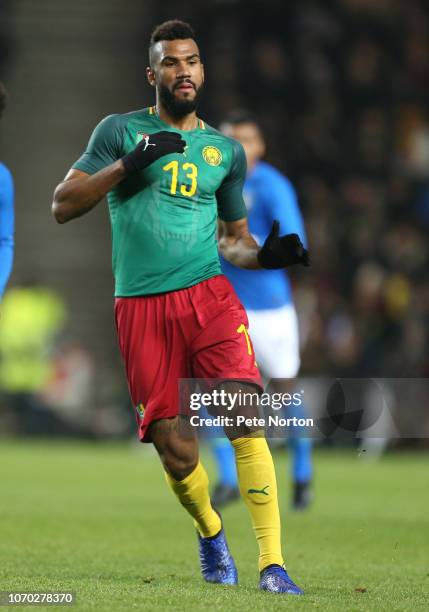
{"x": 261, "y": 144}
{"x": 202, "y": 72}
{"x": 150, "y": 75}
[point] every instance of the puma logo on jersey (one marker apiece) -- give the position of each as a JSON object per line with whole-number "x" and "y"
{"x": 147, "y": 143}
{"x": 145, "y": 137}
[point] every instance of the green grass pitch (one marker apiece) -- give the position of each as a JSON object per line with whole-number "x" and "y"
{"x": 99, "y": 520}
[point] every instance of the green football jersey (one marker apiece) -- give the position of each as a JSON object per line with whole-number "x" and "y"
{"x": 164, "y": 218}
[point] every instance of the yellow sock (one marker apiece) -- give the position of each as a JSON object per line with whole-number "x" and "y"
{"x": 258, "y": 488}
{"x": 193, "y": 494}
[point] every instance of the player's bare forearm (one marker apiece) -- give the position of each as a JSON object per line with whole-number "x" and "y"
{"x": 237, "y": 245}
{"x": 81, "y": 192}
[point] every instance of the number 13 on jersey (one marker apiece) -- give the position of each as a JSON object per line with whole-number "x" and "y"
{"x": 192, "y": 174}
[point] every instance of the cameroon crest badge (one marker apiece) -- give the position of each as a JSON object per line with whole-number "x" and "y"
{"x": 212, "y": 156}
{"x": 140, "y": 410}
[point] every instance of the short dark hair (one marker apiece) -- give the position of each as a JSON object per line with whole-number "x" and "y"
{"x": 3, "y": 98}
{"x": 174, "y": 29}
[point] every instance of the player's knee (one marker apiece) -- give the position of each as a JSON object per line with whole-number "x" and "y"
{"x": 242, "y": 410}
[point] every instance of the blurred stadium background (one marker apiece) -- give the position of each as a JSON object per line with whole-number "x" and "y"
{"x": 341, "y": 90}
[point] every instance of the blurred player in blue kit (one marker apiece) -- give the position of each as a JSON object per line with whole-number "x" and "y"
{"x": 6, "y": 215}
{"x": 267, "y": 298}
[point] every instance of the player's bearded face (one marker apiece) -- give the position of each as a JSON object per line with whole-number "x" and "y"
{"x": 178, "y": 75}
{"x": 177, "y": 104}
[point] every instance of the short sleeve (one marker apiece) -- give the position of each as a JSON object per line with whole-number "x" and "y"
{"x": 229, "y": 196}
{"x": 104, "y": 146}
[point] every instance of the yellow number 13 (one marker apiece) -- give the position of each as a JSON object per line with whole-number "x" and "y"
{"x": 186, "y": 190}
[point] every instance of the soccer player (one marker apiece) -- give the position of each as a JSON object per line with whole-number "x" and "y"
{"x": 168, "y": 177}
{"x": 267, "y": 298}
{"x": 6, "y": 215}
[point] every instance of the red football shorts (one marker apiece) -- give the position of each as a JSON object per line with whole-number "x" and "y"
{"x": 199, "y": 332}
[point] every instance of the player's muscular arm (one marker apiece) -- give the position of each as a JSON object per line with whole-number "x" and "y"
{"x": 237, "y": 245}
{"x": 80, "y": 192}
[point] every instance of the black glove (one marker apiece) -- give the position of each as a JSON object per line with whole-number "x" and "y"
{"x": 151, "y": 148}
{"x": 282, "y": 251}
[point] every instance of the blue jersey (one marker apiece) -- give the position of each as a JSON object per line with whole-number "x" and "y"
{"x": 268, "y": 196}
{"x": 6, "y": 226}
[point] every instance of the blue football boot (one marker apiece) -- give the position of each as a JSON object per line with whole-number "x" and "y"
{"x": 217, "y": 564}
{"x": 275, "y": 579}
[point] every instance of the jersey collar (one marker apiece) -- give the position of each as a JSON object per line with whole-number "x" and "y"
{"x": 200, "y": 125}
